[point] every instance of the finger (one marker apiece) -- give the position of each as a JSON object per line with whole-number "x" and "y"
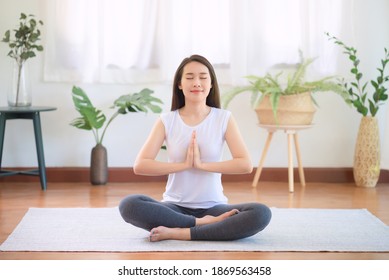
{"x": 189, "y": 154}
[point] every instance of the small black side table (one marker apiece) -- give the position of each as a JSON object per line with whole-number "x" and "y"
{"x": 31, "y": 113}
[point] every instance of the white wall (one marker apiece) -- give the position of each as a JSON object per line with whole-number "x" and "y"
{"x": 330, "y": 143}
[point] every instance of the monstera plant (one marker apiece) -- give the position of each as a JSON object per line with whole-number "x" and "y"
{"x": 94, "y": 119}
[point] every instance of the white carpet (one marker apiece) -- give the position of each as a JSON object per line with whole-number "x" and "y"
{"x": 103, "y": 230}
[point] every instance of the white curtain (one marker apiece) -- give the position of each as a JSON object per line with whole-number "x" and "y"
{"x": 130, "y": 41}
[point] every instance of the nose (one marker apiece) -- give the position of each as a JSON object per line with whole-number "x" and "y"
{"x": 196, "y": 83}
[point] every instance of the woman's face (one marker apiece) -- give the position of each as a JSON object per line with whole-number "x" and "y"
{"x": 195, "y": 82}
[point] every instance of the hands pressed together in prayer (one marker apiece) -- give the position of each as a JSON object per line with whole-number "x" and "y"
{"x": 193, "y": 159}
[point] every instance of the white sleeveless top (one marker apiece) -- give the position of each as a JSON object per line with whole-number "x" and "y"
{"x": 193, "y": 188}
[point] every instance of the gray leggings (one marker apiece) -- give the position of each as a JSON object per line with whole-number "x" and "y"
{"x": 147, "y": 213}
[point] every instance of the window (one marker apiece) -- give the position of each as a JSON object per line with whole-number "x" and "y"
{"x": 130, "y": 41}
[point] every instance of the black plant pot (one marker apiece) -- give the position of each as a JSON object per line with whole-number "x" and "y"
{"x": 99, "y": 165}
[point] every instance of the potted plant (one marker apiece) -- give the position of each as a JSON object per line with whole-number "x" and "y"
{"x": 367, "y": 150}
{"x": 283, "y": 102}
{"x": 23, "y": 45}
{"x": 94, "y": 119}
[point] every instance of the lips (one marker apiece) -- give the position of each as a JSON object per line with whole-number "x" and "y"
{"x": 196, "y": 91}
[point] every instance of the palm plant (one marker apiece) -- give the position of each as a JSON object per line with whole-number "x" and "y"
{"x": 93, "y": 119}
{"x": 270, "y": 85}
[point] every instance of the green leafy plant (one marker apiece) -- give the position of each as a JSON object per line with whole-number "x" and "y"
{"x": 357, "y": 90}
{"x": 94, "y": 119}
{"x": 23, "y": 43}
{"x": 270, "y": 85}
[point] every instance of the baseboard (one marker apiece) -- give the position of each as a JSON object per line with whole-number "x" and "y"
{"x": 120, "y": 175}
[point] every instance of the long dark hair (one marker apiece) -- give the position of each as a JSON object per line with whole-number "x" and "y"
{"x": 178, "y": 98}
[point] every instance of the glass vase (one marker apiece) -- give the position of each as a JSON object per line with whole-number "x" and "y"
{"x": 19, "y": 94}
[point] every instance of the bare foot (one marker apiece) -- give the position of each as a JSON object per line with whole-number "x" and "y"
{"x": 165, "y": 233}
{"x": 212, "y": 219}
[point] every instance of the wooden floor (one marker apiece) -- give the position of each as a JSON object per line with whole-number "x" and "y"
{"x": 16, "y": 198}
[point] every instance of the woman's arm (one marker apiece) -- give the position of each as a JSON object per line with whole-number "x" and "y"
{"x": 145, "y": 163}
{"x": 240, "y": 162}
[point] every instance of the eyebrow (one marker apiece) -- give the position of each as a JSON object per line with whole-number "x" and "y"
{"x": 202, "y": 73}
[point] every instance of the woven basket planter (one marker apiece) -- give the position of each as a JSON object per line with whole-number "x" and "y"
{"x": 296, "y": 109}
{"x": 367, "y": 155}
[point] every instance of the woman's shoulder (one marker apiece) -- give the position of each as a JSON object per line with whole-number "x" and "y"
{"x": 221, "y": 113}
{"x": 168, "y": 117}
{"x": 220, "y": 118}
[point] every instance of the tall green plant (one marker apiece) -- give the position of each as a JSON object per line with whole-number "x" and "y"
{"x": 358, "y": 95}
{"x": 23, "y": 43}
{"x": 94, "y": 119}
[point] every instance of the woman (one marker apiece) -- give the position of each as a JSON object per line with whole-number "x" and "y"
{"x": 194, "y": 206}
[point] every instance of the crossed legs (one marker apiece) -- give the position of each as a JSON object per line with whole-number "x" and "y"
{"x": 169, "y": 221}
